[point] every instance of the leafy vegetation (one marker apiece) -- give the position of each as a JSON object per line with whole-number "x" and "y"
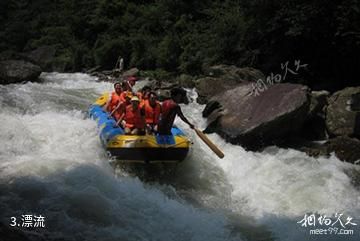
{"x": 181, "y": 36}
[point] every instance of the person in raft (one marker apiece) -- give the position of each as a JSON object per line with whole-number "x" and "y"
{"x": 126, "y": 90}
{"x": 114, "y": 98}
{"x": 152, "y": 108}
{"x": 133, "y": 120}
{"x": 171, "y": 108}
{"x": 120, "y": 109}
{"x": 144, "y": 94}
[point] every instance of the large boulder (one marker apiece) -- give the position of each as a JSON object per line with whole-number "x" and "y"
{"x": 254, "y": 121}
{"x": 14, "y": 71}
{"x": 345, "y": 148}
{"x": 208, "y": 87}
{"x": 43, "y": 56}
{"x": 343, "y": 113}
{"x": 223, "y": 77}
{"x": 131, "y": 72}
{"x": 186, "y": 81}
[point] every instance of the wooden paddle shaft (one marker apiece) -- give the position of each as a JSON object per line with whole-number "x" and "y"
{"x": 209, "y": 143}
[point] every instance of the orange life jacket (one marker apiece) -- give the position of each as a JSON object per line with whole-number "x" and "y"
{"x": 114, "y": 101}
{"x": 123, "y": 95}
{"x": 152, "y": 114}
{"x": 119, "y": 112}
{"x": 133, "y": 118}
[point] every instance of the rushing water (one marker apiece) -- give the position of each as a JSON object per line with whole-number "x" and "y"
{"x": 52, "y": 164}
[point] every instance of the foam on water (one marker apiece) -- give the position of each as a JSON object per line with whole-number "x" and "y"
{"x": 276, "y": 187}
{"x": 52, "y": 163}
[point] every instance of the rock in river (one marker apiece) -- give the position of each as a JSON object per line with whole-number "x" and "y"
{"x": 255, "y": 121}
{"x": 15, "y": 71}
{"x": 223, "y": 77}
{"x": 343, "y": 113}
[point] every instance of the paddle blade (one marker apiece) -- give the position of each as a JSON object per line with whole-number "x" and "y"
{"x": 209, "y": 143}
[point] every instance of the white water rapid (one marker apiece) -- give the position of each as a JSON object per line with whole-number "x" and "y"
{"x": 52, "y": 164}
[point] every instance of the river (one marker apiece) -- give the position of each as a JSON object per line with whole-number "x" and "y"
{"x": 52, "y": 164}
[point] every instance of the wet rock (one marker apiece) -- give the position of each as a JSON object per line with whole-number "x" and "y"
{"x": 131, "y": 72}
{"x": 163, "y": 94}
{"x": 208, "y": 87}
{"x": 318, "y": 102}
{"x": 342, "y": 115}
{"x": 163, "y": 90}
{"x": 256, "y": 121}
{"x": 314, "y": 127}
{"x": 210, "y": 107}
{"x": 15, "y": 71}
{"x": 223, "y": 77}
{"x": 43, "y": 56}
{"x": 93, "y": 70}
{"x": 103, "y": 77}
{"x": 313, "y": 149}
{"x": 345, "y": 148}
{"x": 186, "y": 81}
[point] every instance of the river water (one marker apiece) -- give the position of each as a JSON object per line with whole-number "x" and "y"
{"x": 52, "y": 164}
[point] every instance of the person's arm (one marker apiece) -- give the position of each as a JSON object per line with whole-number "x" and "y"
{"x": 183, "y": 118}
{"x": 121, "y": 119}
{"x": 122, "y": 116}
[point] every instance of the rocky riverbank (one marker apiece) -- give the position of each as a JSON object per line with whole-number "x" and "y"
{"x": 283, "y": 114}
{"x": 244, "y": 113}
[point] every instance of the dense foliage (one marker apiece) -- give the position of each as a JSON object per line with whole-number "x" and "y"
{"x": 184, "y": 35}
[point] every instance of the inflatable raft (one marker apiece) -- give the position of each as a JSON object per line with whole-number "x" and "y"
{"x": 137, "y": 148}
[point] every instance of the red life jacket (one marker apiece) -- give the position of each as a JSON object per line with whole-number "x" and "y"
{"x": 152, "y": 114}
{"x": 169, "y": 109}
{"x": 114, "y": 101}
{"x": 133, "y": 117}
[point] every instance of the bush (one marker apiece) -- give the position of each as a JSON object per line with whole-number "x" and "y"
{"x": 107, "y": 54}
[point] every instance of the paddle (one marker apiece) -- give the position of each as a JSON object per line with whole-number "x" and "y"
{"x": 209, "y": 143}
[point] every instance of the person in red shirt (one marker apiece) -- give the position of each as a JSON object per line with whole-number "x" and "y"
{"x": 171, "y": 108}
{"x": 152, "y": 109}
{"x": 114, "y": 98}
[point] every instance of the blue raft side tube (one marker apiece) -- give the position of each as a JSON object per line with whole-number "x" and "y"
{"x": 109, "y": 132}
{"x": 102, "y": 117}
{"x": 95, "y": 111}
{"x": 106, "y": 124}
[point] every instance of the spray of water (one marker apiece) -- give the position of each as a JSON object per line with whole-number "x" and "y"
{"x": 52, "y": 163}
